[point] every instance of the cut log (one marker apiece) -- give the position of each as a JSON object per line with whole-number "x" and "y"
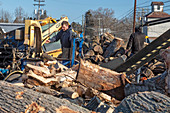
{"x": 98, "y": 49}
{"x": 166, "y": 55}
{"x": 101, "y": 79}
{"x": 144, "y": 102}
{"x": 20, "y": 99}
{"x": 97, "y": 58}
{"x": 85, "y": 47}
{"x": 110, "y": 50}
{"x": 108, "y": 37}
{"x": 90, "y": 93}
{"x": 113, "y": 47}
{"x": 69, "y": 92}
{"x": 90, "y": 53}
{"x": 47, "y": 90}
{"x": 81, "y": 90}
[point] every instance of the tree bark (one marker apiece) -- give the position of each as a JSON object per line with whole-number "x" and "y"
{"x": 20, "y": 99}
{"x": 166, "y": 55}
{"x": 101, "y": 79}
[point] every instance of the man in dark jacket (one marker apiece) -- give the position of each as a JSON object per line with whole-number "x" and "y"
{"x": 135, "y": 44}
{"x": 65, "y": 37}
{"x": 136, "y": 41}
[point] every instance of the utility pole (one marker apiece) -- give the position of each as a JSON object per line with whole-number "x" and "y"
{"x": 99, "y": 25}
{"x": 39, "y": 5}
{"x": 134, "y": 18}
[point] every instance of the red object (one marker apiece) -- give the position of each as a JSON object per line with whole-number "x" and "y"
{"x": 143, "y": 78}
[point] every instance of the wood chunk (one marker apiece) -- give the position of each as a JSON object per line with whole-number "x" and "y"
{"x": 69, "y": 92}
{"x": 81, "y": 90}
{"x": 90, "y": 53}
{"x": 41, "y": 71}
{"x": 98, "y": 49}
{"x": 97, "y": 58}
{"x": 63, "y": 68}
{"x": 110, "y": 49}
{"x": 98, "y": 77}
{"x": 47, "y": 90}
{"x": 42, "y": 79}
{"x": 102, "y": 79}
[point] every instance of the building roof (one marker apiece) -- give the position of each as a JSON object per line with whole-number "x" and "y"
{"x": 157, "y": 15}
{"x": 157, "y": 3}
{"x": 7, "y": 27}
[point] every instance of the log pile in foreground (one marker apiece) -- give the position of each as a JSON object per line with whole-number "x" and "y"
{"x": 20, "y": 99}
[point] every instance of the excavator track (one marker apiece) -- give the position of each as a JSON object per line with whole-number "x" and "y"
{"x": 145, "y": 55}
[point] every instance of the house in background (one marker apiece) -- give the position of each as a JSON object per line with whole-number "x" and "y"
{"x": 157, "y": 12}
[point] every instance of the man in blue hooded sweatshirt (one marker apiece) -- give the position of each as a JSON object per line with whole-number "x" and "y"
{"x": 65, "y": 37}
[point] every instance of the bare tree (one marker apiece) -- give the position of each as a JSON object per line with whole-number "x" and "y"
{"x": 104, "y": 19}
{"x": 19, "y": 15}
{"x": 99, "y": 21}
{"x": 5, "y": 16}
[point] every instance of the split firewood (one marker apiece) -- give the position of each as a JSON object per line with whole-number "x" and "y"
{"x": 94, "y": 44}
{"x": 97, "y": 58}
{"x": 42, "y": 79}
{"x": 63, "y": 68}
{"x": 108, "y": 37}
{"x": 98, "y": 49}
{"x": 81, "y": 90}
{"x": 90, "y": 53}
{"x": 69, "y": 92}
{"x": 41, "y": 71}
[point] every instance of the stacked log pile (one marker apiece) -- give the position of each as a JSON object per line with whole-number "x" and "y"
{"x": 86, "y": 84}
{"x": 60, "y": 82}
{"x": 95, "y": 87}
{"x": 103, "y": 49}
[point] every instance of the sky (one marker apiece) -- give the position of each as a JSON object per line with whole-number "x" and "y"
{"x": 74, "y": 9}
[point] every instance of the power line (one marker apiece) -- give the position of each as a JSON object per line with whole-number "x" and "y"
{"x": 143, "y": 3}
{"x": 76, "y": 18}
{"x": 166, "y": 1}
{"x": 39, "y": 5}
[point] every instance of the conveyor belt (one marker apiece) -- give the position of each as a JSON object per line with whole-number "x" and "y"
{"x": 146, "y": 54}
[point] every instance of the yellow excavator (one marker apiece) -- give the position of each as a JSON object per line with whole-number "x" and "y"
{"x": 37, "y": 33}
{"x": 27, "y": 45}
